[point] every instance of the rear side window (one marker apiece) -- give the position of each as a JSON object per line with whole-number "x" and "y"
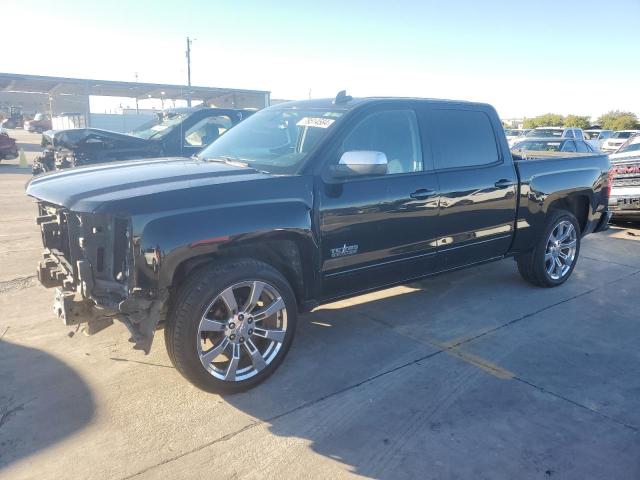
{"x": 582, "y": 147}
{"x": 461, "y": 138}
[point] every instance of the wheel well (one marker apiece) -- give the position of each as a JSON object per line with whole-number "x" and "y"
{"x": 283, "y": 254}
{"x": 576, "y": 204}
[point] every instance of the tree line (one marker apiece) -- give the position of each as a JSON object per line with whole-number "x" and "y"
{"x": 613, "y": 120}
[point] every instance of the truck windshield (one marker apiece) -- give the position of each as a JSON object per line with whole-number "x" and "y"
{"x": 274, "y": 140}
{"x": 622, "y": 134}
{"x": 158, "y": 127}
{"x": 545, "y": 132}
{"x": 539, "y": 146}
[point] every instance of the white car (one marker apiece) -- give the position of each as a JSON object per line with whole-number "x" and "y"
{"x": 513, "y": 135}
{"x": 615, "y": 141}
{"x": 624, "y": 199}
{"x": 556, "y": 132}
{"x": 595, "y": 137}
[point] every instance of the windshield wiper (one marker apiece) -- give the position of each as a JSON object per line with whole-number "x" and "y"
{"x": 233, "y": 161}
{"x": 236, "y": 162}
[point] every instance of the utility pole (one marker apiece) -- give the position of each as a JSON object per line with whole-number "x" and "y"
{"x": 188, "y": 52}
{"x": 137, "y": 110}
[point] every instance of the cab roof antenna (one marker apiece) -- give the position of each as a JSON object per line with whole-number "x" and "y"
{"x": 342, "y": 97}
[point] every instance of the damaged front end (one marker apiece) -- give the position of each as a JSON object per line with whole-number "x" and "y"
{"x": 88, "y": 259}
{"x": 62, "y": 149}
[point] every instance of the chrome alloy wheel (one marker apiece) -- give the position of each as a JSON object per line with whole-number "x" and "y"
{"x": 561, "y": 250}
{"x": 242, "y": 330}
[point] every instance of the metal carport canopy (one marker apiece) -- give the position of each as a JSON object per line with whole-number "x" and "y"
{"x": 14, "y": 82}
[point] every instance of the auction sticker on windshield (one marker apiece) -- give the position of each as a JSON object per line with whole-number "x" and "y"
{"x": 315, "y": 122}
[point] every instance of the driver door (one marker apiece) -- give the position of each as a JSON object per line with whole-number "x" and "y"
{"x": 379, "y": 230}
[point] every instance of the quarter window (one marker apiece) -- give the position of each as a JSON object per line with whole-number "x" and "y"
{"x": 462, "y": 138}
{"x": 394, "y": 133}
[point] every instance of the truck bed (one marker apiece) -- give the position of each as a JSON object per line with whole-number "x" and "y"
{"x": 556, "y": 179}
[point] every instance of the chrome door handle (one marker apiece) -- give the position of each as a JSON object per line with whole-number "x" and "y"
{"x": 504, "y": 183}
{"x": 423, "y": 194}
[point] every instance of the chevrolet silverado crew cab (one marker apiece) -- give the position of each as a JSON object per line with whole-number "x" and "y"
{"x": 301, "y": 204}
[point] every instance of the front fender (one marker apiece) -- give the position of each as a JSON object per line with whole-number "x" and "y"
{"x": 167, "y": 242}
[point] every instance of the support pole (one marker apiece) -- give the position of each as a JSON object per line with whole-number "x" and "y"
{"x": 189, "y": 71}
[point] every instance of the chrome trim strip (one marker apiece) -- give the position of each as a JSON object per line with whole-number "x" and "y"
{"x": 380, "y": 264}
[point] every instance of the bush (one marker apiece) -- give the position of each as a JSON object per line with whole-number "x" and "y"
{"x": 617, "y": 120}
{"x": 546, "y": 120}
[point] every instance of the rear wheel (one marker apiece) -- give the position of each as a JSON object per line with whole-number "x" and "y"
{"x": 231, "y": 325}
{"x": 555, "y": 255}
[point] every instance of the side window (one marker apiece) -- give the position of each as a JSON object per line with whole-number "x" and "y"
{"x": 461, "y": 138}
{"x": 578, "y": 133}
{"x": 568, "y": 133}
{"x": 569, "y": 146}
{"x": 206, "y": 131}
{"x": 394, "y": 133}
{"x": 582, "y": 147}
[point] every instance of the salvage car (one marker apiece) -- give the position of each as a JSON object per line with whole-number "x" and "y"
{"x": 40, "y": 123}
{"x": 532, "y": 147}
{"x": 595, "y": 137}
{"x": 8, "y": 147}
{"x": 301, "y": 204}
{"x": 513, "y": 135}
{"x": 555, "y": 132}
{"x": 12, "y": 117}
{"x": 176, "y": 132}
{"x": 624, "y": 201}
{"x": 617, "y": 139}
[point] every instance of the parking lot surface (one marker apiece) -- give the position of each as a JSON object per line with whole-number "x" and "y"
{"x": 473, "y": 374}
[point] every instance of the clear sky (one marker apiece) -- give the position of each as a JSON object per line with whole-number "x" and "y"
{"x": 524, "y": 57}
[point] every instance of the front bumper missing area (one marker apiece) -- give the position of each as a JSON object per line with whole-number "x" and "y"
{"x": 75, "y": 311}
{"x": 140, "y": 315}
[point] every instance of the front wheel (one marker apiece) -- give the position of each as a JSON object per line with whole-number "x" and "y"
{"x": 231, "y": 325}
{"x": 555, "y": 255}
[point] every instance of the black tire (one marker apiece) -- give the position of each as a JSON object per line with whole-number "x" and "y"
{"x": 192, "y": 302}
{"x": 532, "y": 265}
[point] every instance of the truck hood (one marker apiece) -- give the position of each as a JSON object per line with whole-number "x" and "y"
{"x": 124, "y": 186}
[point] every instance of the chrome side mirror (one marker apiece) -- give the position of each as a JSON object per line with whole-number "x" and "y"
{"x": 360, "y": 162}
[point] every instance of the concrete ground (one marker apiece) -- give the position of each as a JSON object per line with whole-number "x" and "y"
{"x": 474, "y": 374}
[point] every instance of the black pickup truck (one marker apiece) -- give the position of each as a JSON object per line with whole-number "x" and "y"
{"x": 301, "y": 204}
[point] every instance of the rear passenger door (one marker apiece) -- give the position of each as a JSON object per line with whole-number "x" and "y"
{"x": 478, "y": 184}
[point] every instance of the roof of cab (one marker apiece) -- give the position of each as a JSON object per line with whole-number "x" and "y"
{"x": 351, "y": 103}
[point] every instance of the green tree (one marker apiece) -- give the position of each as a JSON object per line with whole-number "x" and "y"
{"x": 617, "y": 120}
{"x": 577, "y": 121}
{"x": 546, "y": 120}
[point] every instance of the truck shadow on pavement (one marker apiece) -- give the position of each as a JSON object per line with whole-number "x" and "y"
{"x": 386, "y": 386}
{"x": 349, "y": 372}
{"x": 33, "y": 417}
